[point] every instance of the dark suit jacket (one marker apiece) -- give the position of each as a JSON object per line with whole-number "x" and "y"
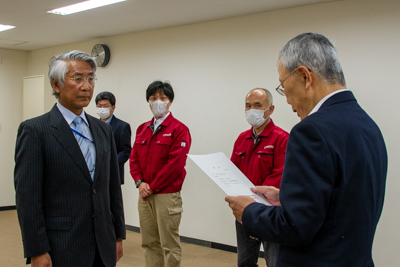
{"x": 332, "y": 190}
{"x": 122, "y": 136}
{"x": 60, "y": 209}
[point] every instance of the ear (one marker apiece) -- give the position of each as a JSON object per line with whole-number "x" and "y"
{"x": 307, "y": 76}
{"x": 271, "y": 110}
{"x": 56, "y": 86}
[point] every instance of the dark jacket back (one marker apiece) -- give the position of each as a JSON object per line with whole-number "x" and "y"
{"x": 332, "y": 189}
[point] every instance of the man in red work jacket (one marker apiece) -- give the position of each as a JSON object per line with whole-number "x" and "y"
{"x": 260, "y": 154}
{"x": 157, "y": 164}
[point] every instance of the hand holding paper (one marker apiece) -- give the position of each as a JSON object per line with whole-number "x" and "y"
{"x": 271, "y": 193}
{"x": 238, "y": 204}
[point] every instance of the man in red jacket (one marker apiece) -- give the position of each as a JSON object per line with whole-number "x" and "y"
{"x": 260, "y": 154}
{"x": 157, "y": 164}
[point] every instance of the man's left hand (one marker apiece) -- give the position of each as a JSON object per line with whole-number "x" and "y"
{"x": 238, "y": 204}
{"x": 120, "y": 249}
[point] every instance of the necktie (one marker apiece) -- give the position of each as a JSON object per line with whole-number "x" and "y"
{"x": 84, "y": 143}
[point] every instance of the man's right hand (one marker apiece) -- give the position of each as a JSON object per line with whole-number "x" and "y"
{"x": 271, "y": 193}
{"x": 144, "y": 190}
{"x": 43, "y": 260}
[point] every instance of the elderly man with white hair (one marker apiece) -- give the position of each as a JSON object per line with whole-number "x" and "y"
{"x": 333, "y": 182}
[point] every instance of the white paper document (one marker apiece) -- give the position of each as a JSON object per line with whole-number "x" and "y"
{"x": 226, "y": 175}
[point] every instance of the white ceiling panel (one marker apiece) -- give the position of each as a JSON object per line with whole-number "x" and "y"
{"x": 36, "y": 29}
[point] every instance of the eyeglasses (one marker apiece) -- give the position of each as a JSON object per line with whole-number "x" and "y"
{"x": 80, "y": 80}
{"x": 279, "y": 89}
{"x": 103, "y": 106}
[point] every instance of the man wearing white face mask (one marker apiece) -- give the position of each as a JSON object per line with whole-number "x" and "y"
{"x": 260, "y": 154}
{"x": 157, "y": 165}
{"x": 105, "y": 103}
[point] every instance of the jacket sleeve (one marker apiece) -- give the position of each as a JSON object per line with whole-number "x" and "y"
{"x": 125, "y": 144}
{"x": 116, "y": 202}
{"x": 134, "y": 164}
{"x": 274, "y": 178}
{"x": 233, "y": 156}
{"x": 306, "y": 189}
{"x": 28, "y": 182}
{"x": 176, "y": 160}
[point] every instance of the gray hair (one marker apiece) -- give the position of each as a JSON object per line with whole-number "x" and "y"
{"x": 315, "y": 52}
{"x": 267, "y": 93}
{"x": 58, "y": 66}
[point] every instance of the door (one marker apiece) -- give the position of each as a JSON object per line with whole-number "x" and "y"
{"x": 33, "y": 97}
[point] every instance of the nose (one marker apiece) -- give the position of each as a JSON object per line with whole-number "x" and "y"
{"x": 85, "y": 85}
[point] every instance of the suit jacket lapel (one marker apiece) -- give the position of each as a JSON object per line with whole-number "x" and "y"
{"x": 63, "y": 134}
{"x": 98, "y": 143}
{"x": 113, "y": 121}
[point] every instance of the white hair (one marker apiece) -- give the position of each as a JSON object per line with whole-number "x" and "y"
{"x": 315, "y": 52}
{"x": 58, "y": 66}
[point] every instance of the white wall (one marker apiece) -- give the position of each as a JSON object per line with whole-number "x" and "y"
{"x": 13, "y": 67}
{"x": 213, "y": 65}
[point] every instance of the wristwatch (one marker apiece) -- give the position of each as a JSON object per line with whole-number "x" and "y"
{"x": 137, "y": 183}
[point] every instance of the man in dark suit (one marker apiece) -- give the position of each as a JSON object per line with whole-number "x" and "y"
{"x": 68, "y": 193}
{"x": 333, "y": 182}
{"x": 105, "y": 103}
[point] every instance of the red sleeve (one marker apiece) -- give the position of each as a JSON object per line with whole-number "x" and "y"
{"x": 136, "y": 171}
{"x": 233, "y": 156}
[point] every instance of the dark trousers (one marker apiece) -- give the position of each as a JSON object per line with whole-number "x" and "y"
{"x": 249, "y": 249}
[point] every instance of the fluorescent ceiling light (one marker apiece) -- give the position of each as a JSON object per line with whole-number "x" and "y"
{"x": 5, "y": 27}
{"x": 83, "y": 6}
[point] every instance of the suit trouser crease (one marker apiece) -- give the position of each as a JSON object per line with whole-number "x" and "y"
{"x": 160, "y": 217}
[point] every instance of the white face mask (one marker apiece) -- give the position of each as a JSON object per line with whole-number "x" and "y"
{"x": 255, "y": 117}
{"x": 103, "y": 113}
{"x": 159, "y": 108}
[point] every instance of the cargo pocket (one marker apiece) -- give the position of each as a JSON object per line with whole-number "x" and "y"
{"x": 176, "y": 210}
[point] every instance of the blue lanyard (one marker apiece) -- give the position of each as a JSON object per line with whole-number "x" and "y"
{"x": 78, "y": 133}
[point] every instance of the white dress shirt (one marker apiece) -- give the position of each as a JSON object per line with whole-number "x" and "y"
{"x": 158, "y": 122}
{"x": 69, "y": 116}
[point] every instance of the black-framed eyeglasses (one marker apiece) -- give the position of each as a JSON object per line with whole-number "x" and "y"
{"x": 279, "y": 89}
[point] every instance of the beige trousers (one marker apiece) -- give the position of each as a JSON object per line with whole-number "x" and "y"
{"x": 160, "y": 217}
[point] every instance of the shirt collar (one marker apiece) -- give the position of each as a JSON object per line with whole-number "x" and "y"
{"x": 109, "y": 120}
{"x": 69, "y": 116}
{"x": 267, "y": 130}
{"x": 160, "y": 120}
{"x": 322, "y": 101}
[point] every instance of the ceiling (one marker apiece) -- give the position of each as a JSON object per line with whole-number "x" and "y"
{"x": 36, "y": 29}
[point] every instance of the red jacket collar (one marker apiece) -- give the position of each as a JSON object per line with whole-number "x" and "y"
{"x": 265, "y": 132}
{"x": 166, "y": 122}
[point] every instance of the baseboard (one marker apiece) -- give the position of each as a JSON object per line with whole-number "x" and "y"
{"x": 198, "y": 242}
{"x": 132, "y": 228}
{"x": 8, "y": 208}
{"x": 184, "y": 239}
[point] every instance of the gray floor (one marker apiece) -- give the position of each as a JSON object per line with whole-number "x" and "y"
{"x": 11, "y": 253}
